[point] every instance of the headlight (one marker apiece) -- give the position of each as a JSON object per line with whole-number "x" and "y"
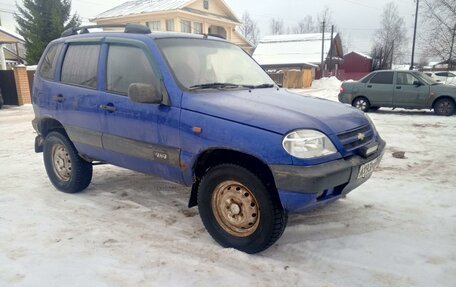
{"x": 308, "y": 144}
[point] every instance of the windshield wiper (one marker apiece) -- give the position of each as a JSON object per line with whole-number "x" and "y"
{"x": 261, "y": 86}
{"x": 215, "y": 85}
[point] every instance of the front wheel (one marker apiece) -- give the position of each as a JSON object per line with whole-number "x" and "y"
{"x": 361, "y": 103}
{"x": 238, "y": 210}
{"x": 67, "y": 171}
{"x": 444, "y": 107}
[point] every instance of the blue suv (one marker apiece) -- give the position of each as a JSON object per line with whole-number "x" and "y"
{"x": 196, "y": 110}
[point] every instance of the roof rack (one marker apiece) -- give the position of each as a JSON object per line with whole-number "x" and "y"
{"x": 129, "y": 28}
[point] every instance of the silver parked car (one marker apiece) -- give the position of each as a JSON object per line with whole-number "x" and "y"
{"x": 399, "y": 89}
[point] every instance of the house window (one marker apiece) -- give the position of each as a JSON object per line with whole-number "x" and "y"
{"x": 206, "y": 4}
{"x": 186, "y": 26}
{"x": 170, "y": 25}
{"x": 197, "y": 28}
{"x": 154, "y": 25}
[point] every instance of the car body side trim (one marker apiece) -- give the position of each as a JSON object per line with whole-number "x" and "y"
{"x": 139, "y": 149}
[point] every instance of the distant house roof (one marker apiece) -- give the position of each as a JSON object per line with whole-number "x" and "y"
{"x": 295, "y": 49}
{"x": 361, "y": 54}
{"x": 150, "y": 6}
{"x": 8, "y": 36}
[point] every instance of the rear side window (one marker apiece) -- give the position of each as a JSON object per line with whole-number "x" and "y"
{"x": 80, "y": 65}
{"x": 127, "y": 65}
{"x": 47, "y": 68}
{"x": 383, "y": 78}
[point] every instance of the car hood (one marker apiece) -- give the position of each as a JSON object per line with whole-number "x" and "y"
{"x": 276, "y": 110}
{"x": 448, "y": 90}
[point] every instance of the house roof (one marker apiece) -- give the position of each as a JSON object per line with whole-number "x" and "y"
{"x": 292, "y": 49}
{"x": 8, "y": 36}
{"x": 143, "y": 6}
{"x": 150, "y": 6}
{"x": 359, "y": 53}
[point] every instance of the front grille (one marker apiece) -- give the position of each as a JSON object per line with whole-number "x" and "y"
{"x": 351, "y": 139}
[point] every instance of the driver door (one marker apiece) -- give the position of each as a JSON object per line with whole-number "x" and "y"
{"x": 138, "y": 136}
{"x": 407, "y": 94}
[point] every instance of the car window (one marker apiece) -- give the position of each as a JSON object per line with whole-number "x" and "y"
{"x": 47, "y": 68}
{"x": 80, "y": 65}
{"x": 367, "y": 78}
{"x": 127, "y": 65}
{"x": 442, "y": 74}
{"x": 405, "y": 78}
{"x": 451, "y": 75}
{"x": 383, "y": 78}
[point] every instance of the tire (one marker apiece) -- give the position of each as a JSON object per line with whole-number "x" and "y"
{"x": 67, "y": 171}
{"x": 238, "y": 210}
{"x": 444, "y": 107}
{"x": 361, "y": 103}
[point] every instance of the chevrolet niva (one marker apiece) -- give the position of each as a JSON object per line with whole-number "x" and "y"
{"x": 197, "y": 110}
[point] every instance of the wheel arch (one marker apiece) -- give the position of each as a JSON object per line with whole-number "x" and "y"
{"x": 47, "y": 125}
{"x": 216, "y": 156}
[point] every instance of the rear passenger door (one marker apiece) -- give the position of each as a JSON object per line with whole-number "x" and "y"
{"x": 379, "y": 90}
{"x": 77, "y": 97}
{"x": 138, "y": 136}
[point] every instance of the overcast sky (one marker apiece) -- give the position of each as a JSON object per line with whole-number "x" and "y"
{"x": 357, "y": 20}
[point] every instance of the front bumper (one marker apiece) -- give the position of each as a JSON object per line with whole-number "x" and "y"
{"x": 302, "y": 187}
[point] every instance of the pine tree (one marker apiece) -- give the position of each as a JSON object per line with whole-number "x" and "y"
{"x": 41, "y": 21}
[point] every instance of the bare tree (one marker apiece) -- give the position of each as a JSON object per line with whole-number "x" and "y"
{"x": 438, "y": 21}
{"x": 390, "y": 39}
{"x": 249, "y": 28}
{"x": 277, "y": 27}
{"x": 325, "y": 16}
{"x": 306, "y": 25}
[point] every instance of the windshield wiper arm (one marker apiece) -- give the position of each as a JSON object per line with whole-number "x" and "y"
{"x": 215, "y": 85}
{"x": 261, "y": 86}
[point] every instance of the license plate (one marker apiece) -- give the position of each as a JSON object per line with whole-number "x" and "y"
{"x": 367, "y": 168}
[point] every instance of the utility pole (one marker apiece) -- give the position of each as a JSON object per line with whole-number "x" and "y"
{"x": 392, "y": 56}
{"x": 414, "y": 34}
{"x": 450, "y": 63}
{"x": 331, "y": 50}
{"x": 322, "y": 68}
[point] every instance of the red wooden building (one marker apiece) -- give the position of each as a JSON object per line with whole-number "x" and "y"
{"x": 355, "y": 66}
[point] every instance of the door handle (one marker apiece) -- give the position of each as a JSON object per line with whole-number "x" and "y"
{"x": 59, "y": 98}
{"x": 108, "y": 108}
{"x": 398, "y": 87}
{"x": 369, "y": 86}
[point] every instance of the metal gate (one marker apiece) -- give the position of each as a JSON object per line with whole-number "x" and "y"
{"x": 8, "y": 86}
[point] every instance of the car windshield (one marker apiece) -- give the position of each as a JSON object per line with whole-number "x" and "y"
{"x": 425, "y": 78}
{"x": 209, "y": 64}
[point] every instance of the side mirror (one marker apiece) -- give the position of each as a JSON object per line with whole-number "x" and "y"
{"x": 144, "y": 93}
{"x": 417, "y": 83}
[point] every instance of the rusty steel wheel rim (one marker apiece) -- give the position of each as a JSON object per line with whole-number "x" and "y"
{"x": 61, "y": 162}
{"x": 235, "y": 208}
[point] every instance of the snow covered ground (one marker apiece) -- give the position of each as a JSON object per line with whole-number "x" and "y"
{"x": 131, "y": 229}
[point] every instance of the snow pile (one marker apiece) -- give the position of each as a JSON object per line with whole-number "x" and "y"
{"x": 331, "y": 83}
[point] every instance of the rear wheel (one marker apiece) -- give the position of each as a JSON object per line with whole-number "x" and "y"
{"x": 238, "y": 210}
{"x": 444, "y": 107}
{"x": 361, "y": 103}
{"x": 67, "y": 171}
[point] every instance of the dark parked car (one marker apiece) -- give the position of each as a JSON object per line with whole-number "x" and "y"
{"x": 399, "y": 89}
{"x": 197, "y": 110}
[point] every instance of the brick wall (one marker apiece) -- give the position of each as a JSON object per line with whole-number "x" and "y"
{"x": 22, "y": 85}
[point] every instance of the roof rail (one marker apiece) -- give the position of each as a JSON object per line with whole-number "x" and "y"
{"x": 129, "y": 28}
